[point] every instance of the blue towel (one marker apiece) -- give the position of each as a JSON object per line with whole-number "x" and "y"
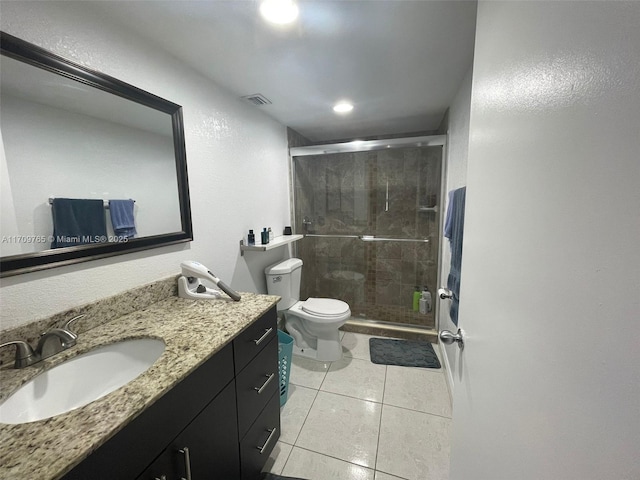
{"x": 448, "y": 219}
{"x": 77, "y": 222}
{"x": 455, "y": 233}
{"x": 122, "y": 218}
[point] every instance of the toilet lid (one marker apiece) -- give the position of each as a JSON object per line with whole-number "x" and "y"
{"x": 327, "y": 307}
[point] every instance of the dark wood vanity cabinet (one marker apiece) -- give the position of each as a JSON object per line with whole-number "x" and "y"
{"x": 258, "y": 394}
{"x": 203, "y": 449}
{"x": 220, "y": 422}
{"x": 260, "y": 439}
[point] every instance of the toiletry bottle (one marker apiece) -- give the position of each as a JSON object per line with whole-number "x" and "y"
{"x": 423, "y": 305}
{"x": 251, "y": 239}
{"x": 416, "y": 299}
{"x": 270, "y": 235}
{"x": 264, "y": 236}
{"x": 426, "y": 295}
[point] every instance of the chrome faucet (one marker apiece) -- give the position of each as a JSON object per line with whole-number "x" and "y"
{"x": 54, "y": 341}
{"x": 25, "y": 355}
{"x": 51, "y": 342}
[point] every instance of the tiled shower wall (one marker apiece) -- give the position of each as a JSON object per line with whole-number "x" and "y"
{"x": 383, "y": 193}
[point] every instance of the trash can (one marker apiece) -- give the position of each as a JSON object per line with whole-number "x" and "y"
{"x": 285, "y": 350}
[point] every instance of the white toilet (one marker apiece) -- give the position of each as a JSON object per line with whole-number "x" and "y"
{"x": 312, "y": 323}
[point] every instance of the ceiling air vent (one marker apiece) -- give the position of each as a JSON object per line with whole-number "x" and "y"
{"x": 257, "y": 99}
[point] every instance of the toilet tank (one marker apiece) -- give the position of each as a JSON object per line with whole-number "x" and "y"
{"x": 283, "y": 279}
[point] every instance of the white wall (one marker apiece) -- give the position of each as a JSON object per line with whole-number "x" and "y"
{"x": 76, "y": 156}
{"x": 456, "y": 176}
{"x": 8, "y": 224}
{"x": 237, "y": 163}
{"x": 550, "y": 297}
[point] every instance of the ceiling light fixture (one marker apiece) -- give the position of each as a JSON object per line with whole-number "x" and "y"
{"x": 279, "y": 12}
{"x": 343, "y": 107}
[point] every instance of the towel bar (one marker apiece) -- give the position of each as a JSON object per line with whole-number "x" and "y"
{"x": 370, "y": 238}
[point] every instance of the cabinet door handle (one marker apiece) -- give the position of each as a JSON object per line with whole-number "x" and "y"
{"x": 163, "y": 477}
{"x": 264, "y": 385}
{"x": 187, "y": 462}
{"x": 272, "y": 432}
{"x": 264, "y": 335}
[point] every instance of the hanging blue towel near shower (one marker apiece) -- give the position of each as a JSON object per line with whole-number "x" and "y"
{"x": 454, "y": 231}
{"x": 122, "y": 218}
{"x": 448, "y": 219}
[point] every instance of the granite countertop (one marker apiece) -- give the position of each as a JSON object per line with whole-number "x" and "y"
{"x": 193, "y": 330}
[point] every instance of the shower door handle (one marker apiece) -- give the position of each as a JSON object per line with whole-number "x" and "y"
{"x": 371, "y": 238}
{"x": 386, "y": 200}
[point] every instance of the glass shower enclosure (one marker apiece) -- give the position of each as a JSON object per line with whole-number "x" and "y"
{"x": 371, "y": 216}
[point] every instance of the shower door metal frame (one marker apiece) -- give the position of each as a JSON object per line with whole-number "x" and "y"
{"x": 384, "y": 144}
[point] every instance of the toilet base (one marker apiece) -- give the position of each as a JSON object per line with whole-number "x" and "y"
{"x": 327, "y": 351}
{"x": 324, "y": 348}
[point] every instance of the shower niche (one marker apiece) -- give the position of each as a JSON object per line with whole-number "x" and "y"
{"x": 371, "y": 221}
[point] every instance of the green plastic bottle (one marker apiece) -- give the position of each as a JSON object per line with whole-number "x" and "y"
{"x": 416, "y": 299}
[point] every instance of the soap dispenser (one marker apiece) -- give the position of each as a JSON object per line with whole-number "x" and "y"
{"x": 425, "y": 301}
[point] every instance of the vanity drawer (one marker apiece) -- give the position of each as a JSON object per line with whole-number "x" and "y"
{"x": 254, "y": 338}
{"x": 256, "y": 384}
{"x": 259, "y": 441}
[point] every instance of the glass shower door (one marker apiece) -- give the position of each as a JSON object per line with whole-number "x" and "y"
{"x": 371, "y": 223}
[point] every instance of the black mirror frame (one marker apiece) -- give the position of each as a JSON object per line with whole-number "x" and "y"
{"x": 38, "y": 57}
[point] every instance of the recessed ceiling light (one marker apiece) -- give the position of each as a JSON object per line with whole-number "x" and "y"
{"x": 342, "y": 107}
{"x": 280, "y": 12}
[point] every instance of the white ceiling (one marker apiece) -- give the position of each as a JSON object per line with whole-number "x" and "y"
{"x": 400, "y": 62}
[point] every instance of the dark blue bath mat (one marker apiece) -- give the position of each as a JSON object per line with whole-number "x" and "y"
{"x": 405, "y": 353}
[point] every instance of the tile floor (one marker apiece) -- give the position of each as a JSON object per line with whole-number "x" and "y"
{"x": 356, "y": 420}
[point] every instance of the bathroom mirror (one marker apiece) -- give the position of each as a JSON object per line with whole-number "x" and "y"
{"x": 72, "y": 132}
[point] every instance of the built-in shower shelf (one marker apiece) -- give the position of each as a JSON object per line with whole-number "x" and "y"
{"x": 427, "y": 209}
{"x": 275, "y": 243}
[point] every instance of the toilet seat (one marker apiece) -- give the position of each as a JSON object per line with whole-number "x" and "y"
{"x": 325, "y": 307}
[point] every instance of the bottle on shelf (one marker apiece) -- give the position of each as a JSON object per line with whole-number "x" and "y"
{"x": 264, "y": 236}
{"x": 425, "y": 301}
{"x": 251, "y": 239}
{"x": 270, "y": 235}
{"x": 416, "y": 299}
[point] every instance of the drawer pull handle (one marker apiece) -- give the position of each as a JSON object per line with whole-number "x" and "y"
{"x": 272, "y": 432}
{"x": 264, "y": 385}
{"x": 264, "y": 335}
{"x": 187, "y": 462}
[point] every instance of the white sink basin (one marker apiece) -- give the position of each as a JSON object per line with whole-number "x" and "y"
{"x": 80, "y": 380}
